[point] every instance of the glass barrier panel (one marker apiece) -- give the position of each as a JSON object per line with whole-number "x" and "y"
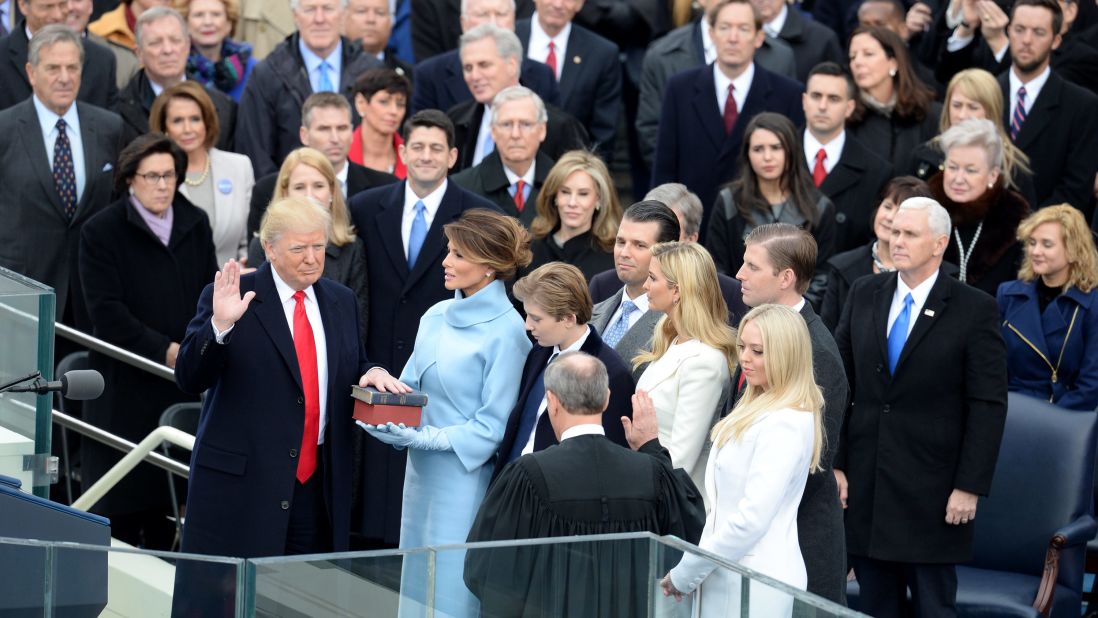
{"x": 347, "y": 584}
{"x": 24, "y": 590}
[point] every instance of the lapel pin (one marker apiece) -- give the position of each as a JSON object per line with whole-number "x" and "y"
{"x": 928, "y": 313}
{"x": 576, "y": 60}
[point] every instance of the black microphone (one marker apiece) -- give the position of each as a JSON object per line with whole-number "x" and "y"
{"x": 78, "y": 384}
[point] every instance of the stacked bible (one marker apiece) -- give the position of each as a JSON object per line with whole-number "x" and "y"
{"x": 374, "y": 407}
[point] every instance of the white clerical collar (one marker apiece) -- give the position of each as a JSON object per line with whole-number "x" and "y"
{"x": 587, "y": 429}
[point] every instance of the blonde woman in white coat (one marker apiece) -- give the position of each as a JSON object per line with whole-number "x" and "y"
{"x": 218, "y": 182}
{"x": 693, "y": 351}
{"x": 762, "y": 454}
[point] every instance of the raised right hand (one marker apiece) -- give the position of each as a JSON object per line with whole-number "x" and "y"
{"x": 228, "y": 306}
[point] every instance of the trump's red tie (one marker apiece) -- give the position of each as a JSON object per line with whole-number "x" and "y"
{"x": 310, "y": 383}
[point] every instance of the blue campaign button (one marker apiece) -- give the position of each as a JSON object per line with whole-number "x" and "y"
{"x": 225, "y": 186}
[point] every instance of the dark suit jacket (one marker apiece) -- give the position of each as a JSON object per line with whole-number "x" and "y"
{"x": 854, "y": 186}
{"x": 440, "y": 85}
{"x": 358, "y": 179}
{"x": 680, "y": 50}
{"x": 1060, "y": 135}
{"x": 242, "y": 480}
{"x": 563, "y": 132}
{"x": 606, "y": 284}
{"x": 812, "y": 42}
{"x": 590, "y": 83}
{"x": 436, "y": 25}
{"x": 911, "y": 438}
{"x": 136, "y": 99}
{"x": 693, "y": 148}
{"x": 398, "y": 298}
{"x": 97, "y": 84}
{"x": 37, "y": 239}
{"x": 621, "y": 393}
{"x": 489, "y": 181}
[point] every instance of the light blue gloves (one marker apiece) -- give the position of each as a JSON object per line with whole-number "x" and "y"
{"x": 425, "y": 438}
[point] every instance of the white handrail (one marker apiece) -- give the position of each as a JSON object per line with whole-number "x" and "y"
{"x": 152, "y": 441}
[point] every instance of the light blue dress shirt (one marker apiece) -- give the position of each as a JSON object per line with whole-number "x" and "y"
{"x": 312, "y": 65}
{"x": 48, "y": 121}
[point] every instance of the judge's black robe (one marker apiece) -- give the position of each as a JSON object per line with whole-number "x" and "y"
{"x": 586, "y": 485}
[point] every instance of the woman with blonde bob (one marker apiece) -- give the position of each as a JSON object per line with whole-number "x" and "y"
{"x": 578, "y": 215}
{"x": 693, "y": 351}
{"x": 307, "y": 173}
{"x": 975, "y": 93}
{"x": 1050, "y": 313}
{"x": 763, "y": 452}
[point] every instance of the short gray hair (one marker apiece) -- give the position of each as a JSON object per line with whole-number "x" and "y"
{"x": 507, "y": 42}
{"x": 579, "y": 381}
{"x": 975, "y": 132}
{"x": 51, "y": 35}
{"x": 937, "y": 217}
{"x": 517, "y": 93}
{"x": 294, "y": 4}
{"x": 465, "y": 7}
{"x": 154, "y": 14}
{"x": 677, "y": 197}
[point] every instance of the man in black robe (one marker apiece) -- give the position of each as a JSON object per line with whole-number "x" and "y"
{"x": 585, "y": 485}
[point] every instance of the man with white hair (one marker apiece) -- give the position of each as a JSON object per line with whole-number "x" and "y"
{"x": 315, "y": 58}
{"x": 490, "y": 61}
{"x": 927, "y": 371}
{"x": 162, "y": 48}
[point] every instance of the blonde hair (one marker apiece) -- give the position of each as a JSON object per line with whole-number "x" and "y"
{"x": 343, "y": 231}
{"x": 1078, "y": 245}
{"x": 701, "y": 311}
{"x": 607, "y": 217}
{"x": 232, "y": 12}
{"x": 296, "y": 214}
{"x": 787, "y": 357}
{"x": 982, "y": 87}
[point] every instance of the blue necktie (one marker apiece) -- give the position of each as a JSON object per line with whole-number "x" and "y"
{"x": 324, "y": 83}
{"x": 419, "y": 232}
{"x": 615, "y": 333}
{"x": 489, "y": 145}
{"x": 529, "y": 414}
{"x": 64, "y": 174}
{"x": 898, "y": 335}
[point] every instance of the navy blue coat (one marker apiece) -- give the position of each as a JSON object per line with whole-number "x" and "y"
{"x": 1064, "y": 344}
{"x": 692, "y": 147}
{"x": 440, "y": 85}
{"x": 245, "y": 457}
{"x": 398, "y": 299}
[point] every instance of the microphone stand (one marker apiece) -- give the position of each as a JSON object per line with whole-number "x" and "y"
{"x": 37, "y": 375}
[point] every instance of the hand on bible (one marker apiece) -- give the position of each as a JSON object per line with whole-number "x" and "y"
{"x": 643, "y": 427}
{"x": 228, "y": 306}
{"x": 383, "y": 381}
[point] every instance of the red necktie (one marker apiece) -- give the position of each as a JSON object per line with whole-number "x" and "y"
{"x": 819, "y": 172}
{"x": 310, "y": 383}
{"x": 730, "y": 112}
{"x": 551, "y": 59}
{"x": 740, "y": 382}
{"x": 520, "y": 195}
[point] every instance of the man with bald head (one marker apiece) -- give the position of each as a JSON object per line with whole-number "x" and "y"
{"x": 927, "y": 370}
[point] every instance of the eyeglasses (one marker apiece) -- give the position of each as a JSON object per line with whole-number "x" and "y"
{"x": 153, "y": 178}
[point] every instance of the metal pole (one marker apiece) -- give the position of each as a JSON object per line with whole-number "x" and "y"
{"x": 121, "y": 444}
{"x": 130, "y": 461}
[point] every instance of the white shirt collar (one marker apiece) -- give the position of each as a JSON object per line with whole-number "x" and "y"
{"x": 576, "y": 345}
{"x": 740, "y": 86}
{"x": 157, "y": 88}
{"x": 834, "y": 150}
{"x": 707, "y": 42}
{"x": 48, "y": 120}
{"x": 919, "y": 293}
{"x": 341, "y": 176}
{"x": 431, "y": 201}
{"x": 285, "y": 292}
{"x": 800, "y": 305}
{"x": 774, "y": 26}
{"x": 528, "y": 177}
{"x": 587, "y": 429}
{"x": 1033, "y": 88}
{"x": 641, "y": 301}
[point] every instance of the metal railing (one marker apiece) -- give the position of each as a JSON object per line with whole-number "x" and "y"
{"x": 115, "y": 352}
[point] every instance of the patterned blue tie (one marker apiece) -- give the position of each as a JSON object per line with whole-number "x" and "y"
{"x": 529, "y": 414}
{"x": 1019, "y": 117}
{"x": 324, "y": 83}
{"x": 897, "y": 337}
{"x": 616, "y": 332}
{"x": 64, "y": 176}
{"x": 419, "y": 232}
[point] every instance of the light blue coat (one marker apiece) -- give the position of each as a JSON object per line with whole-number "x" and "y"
{"x": 468, "y": 358}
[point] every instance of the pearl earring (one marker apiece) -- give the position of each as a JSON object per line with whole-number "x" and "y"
{"x": 892, "y": 72}
{"x": 990, "y": 185}
{"x": 131, "y": 189}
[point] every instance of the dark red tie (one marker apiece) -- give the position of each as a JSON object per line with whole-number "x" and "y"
{"x": 551, "y": 59}
{"x": 520, "y": 195}
{"x": 819, "y": 172}
{"x": 310, "y": 383}
{"x": 730, "y": 112}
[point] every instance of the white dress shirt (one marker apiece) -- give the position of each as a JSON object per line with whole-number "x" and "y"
{"x": 918, "y": 296}
{"x": 157, "y": 88}
{"x": 833, "y": 149}
{"x": 431, "y": 202}
{"x": 47, "y": 121}
{"x": 341, "y": 176}
{"x": 483, "y": 133}
{"x": 588, "y": 429}
{"x": 740, "y": 86}
{"x": 707, "y": 42}
{"x": 1033, "y": 89}
{"x": 774, "y": 27}
{"x": 538, "y": 49}
{"x": 312, "y": 65}
{"x": 642, "y": 308}
{"x": 529, "y": 448}
{"x": 528, "y": 178}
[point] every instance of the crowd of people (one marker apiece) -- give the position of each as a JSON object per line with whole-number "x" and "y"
{"x": 757, "y": 274}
